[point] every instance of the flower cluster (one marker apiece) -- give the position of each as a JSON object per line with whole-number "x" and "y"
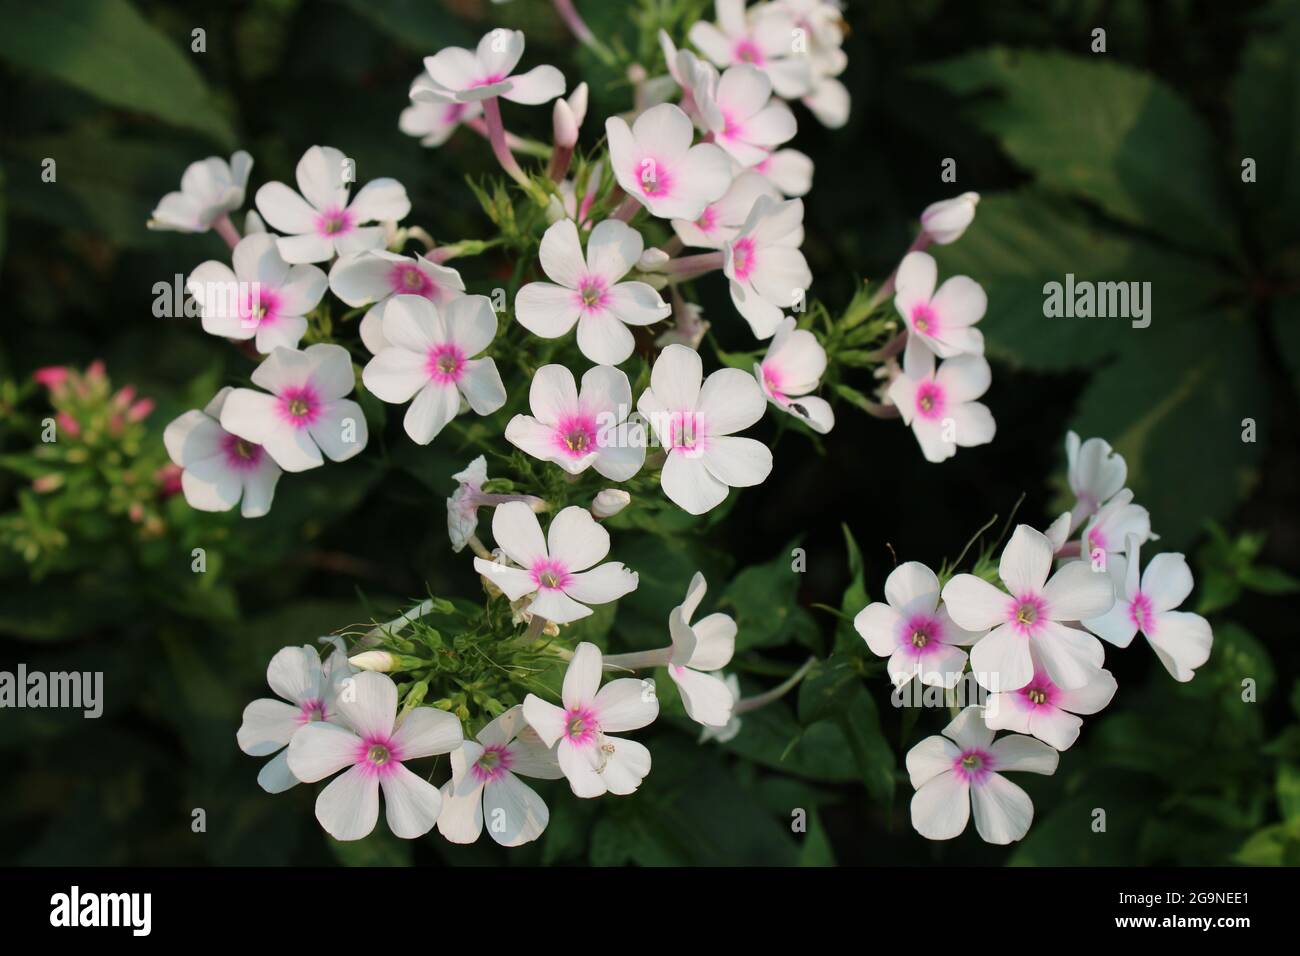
{"x": 1031, "y": 645}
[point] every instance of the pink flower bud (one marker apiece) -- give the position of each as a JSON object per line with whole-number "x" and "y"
{"x": 564, "y": 124}
{"x": 140, "y": 410}
{"x": 52, "y": 376}
{"x": 68, "y": 424}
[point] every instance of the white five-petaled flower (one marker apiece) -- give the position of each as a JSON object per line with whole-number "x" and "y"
{"x": 706, "y": 645}
{"x": 1108, "y": 531}
{"x": 695, "y": 423}
{"x": 768, "y": 273}
{"x": 760, "y": 39}
{"x": 374, "y": 751}
{"x": 454, "y": 74}
{"x": 1026, "y": 623}
{"x": 262, "y": 297}
{"x": 588, "y": 291}
{"x": 594, "y": 762}
{"x": 581, "y": 429}
{"x": 791, "y": 369}
{"x": 433, "y": 121}
{"x": 1181, "y": 640}
{"x": 559, "y": 570}
{"x": 325, "y": 222}
{"x": 962, "y": 770}
{"x": 376, "y": 276}
{"x": 654, "y": 162}
{"x": 1095, "y": 474}
{"x": 721, "y": 220}
{"x": 218, "y": 468}
{"x": 737, "y": 109}
{"x": 940, "y": 405}
{"x": 943, "y": 321}
{"x": 946, "y": 221}
{"x": 210, "y": 188}
{"x": 485, "y": 784}
{"x": 430, "y": 362}
{"x": 914, "y": 630}
{"x": 310, "y": 689}
{"x": 1046, "y": 711}
{"x": 822, "y": 24}
{"x": 305, "y": 413}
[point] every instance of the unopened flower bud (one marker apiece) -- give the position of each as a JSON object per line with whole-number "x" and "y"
{"x": 652, "y": 260}
{"x": 577, "y": 101}
{"x": 610, "y": 502}
{"x": 945, "y": 221}
{"x": 564, "y": 124}
{"x": 380, "y": 661}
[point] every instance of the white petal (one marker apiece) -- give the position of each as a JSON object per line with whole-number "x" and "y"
{"x": 929, "y": 758}
{"x": 1182, "y": 642}
{"x": 1016, "y": 752}
{"x": 604, "y": 339}
{"x": 1001, "y": 660}
{"x": 340, "y": 430}
{"x": 1026, "y": 561}
{"x": 912, "y": 587}
{"x": 349, "y": 807}
{"x": 539, "y": 85}
{"x": 625, "y": 704}
{"x": 517, "y": 533}
{"x": 603, "y": 584}
{"x": 320, "y": 749}
{"x": 689, "y": 485}
{"x": 461, "y": 818}
{"x": 576, "y": 539}
{"x": 426, "y": 731}
{"x": 411, "y": 803}
{"x": 737, "y": 462}
{"x": 434, "y": 406}
{"x": 268, "y": 725}
{"x": 514, "y": 812}
{"x": 380, "y": 200}
{"x": 369, "y": 705}
{"x": 1077, "y": 592}
{"x": 941, "y": 807}
{"x": 707, "y": 699}
{"x": 545, "y": 718}
{"x": 553, "y": 394}
{"x": 613, "y": 248}
{"x": 581, "y": 678}
{"x": 974, "y": 604}
{"x": 1167, "y": 581}
{"x": 1003, "y": 812}
{"x": 275, "y": 775}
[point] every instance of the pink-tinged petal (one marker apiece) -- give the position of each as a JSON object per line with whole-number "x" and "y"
{"x": 960, "y": 301}
{"x": 622, "y": 452}
{"x": 1167, "y": 581}
{"x": 395, "y": 375}
{"x": 637, "y": 303}
{"x": 193, "y": 436}
{"x": 516, "y": 814}
{"x": 968, "y": 730}
{"x": 547, "y": 310}
{"x": 604, "y": 339}
{"x": 929, "y": 758}
{"x": 481, "y": 384}
{"x": 1116, "y": 626}
{"x": 453, "y": 68}
{"x": 532, "y": 757}
{"x": 305, "y": 248}
{"x": 829, "y": 101}
{"x": 515, "y": 582}
{"x": 912, "y": 588}
{"x": 1182, "y": 641}
{"x": 941, "y": 666}
{"x": 545, "y": 718}
{"x": 498, "y": 52}
{"x": 411, "y": 803}
{"x": 349, "y": 807}
{"x": 730, "y": 401}
{"x": 471, "y": 323}
{"x": 553, "y": 394}
{"x": 413, "y": 323}
{"x": 737, "y": 462}
{"x": 1091, "y": 698}
{"x": 1001, "y": 660}
{"x": 914, "y": 283}
{"x": 518, "y": 534}
{"x": 582, "y": 677}
{"x": 427, "y": 731}
{"x": 878, "y": 624}
{"x": 360, "y": 239}
{"x": 1003, "y": 811}
{"x": 579, "y": 766}
{"x": 703, "y": 176}
{"x": 362, "y": 278}
{"x": 461, "y": 817}
{"x": 710, "y": 41}
{"x": 763, "y": 317}
{"x": 1008, "y": 711}
{"x": 295, "y": 674}
{"x": 1076, "y": 592}
{"x": 964, "y": 378}
{"x": 1026, "y": 561}
{"x": 320, "y": 749}
{"x": 974, "y": 604}
{"x": 322, "y": 180}
{"x": 602, "y": 584}
{"x": 284, "y": 210}
{"x": 626, "y": 764}
{"x": 606, "y": 391}
{"x": 380, "y": 200}
{"x": 676, "y": 377}
{"x": 561, "y": 253}
{"x": 626, "y": 704}
{"x": 941, "y": 807}
{"x": 1070, "y": 657}
{"x": 341, "y": 430}
{"x": 613, "y": 248}
{"x": 209, "y": 484}
{"x": 371, "y": 706}
{"x": 285, "y": 333}
{"x": 576, "y": 540}
{"x": 267, "y": 726}
{"x": 532, "y": 437}
{"x": 690, "y": 486}
{"x": 667, "y": 130}
{"x": 541, "y": 84}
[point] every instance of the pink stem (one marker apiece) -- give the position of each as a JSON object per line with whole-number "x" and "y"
{"x": 497, "y": 137}
{"x": 692, "y": 267}
{"x": 226, "y": 230}
{"x": 628, "y": 208}
{"x": 919, "y": 244}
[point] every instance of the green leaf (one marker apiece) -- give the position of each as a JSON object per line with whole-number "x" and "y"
{"x": 1103, "y": 131}
{"x": 764, "y": 599}
{"x": 108, "y": 50}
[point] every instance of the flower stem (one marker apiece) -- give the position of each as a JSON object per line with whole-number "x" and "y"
{"x": 517, "y": 144}
{"x": 628, "y": 208}
{"x": 583, "y": 32}
{"x": 497, "y": 137}
{"x": 692, "y": 267}
{"x": 889, "y": 349}
{"x": 638, "y": 660}
{"x": 747, "y": 704}
{"x": 919, "y": 244}
{"x": 226, "y": 229}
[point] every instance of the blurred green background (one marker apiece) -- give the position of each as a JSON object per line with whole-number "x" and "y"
{"x": 1117, "y": 166}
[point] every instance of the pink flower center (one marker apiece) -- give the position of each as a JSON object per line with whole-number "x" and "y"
{"x": 743, "y": 258}
{"x": 1039, "y": 692}
{"x": 550, "y": 575}
{"x": 592, "y": 295}
{"x": 259, "y": 307}
{"x": 653, "y": 176}
{"x": 580, "y": 726}
{"x": 445, "y": 364}
{"x": 311, "y": 710}
{"x": 930, "y": 400}
{"x": 973, "y": 765}
{"x": 575, "y": 435}
{"x": 688, "y": 433}
{"x": 300, "y": 406}
{"x": 334, "y": 222}
{"x": 772, "y": 380}
{"x": 920, "y": 634}
{"x": 488, "y": 80}
{"x": 406, "y": 278}
{"x": 378, "y": 755}
{"x": 747, "y": 51}
{"x": 732, "y": 128}
{"x": 1141, "y": 614}
{"x": 924, "y": 319}
{"x": 1027, "y": 613}
{"x": 454, "y": 112}
{"x": 241, "y": 455}
{"x": 1096, "y": 541}
{"x": 493, "y": 764}
{"x": 708, "y": 220}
